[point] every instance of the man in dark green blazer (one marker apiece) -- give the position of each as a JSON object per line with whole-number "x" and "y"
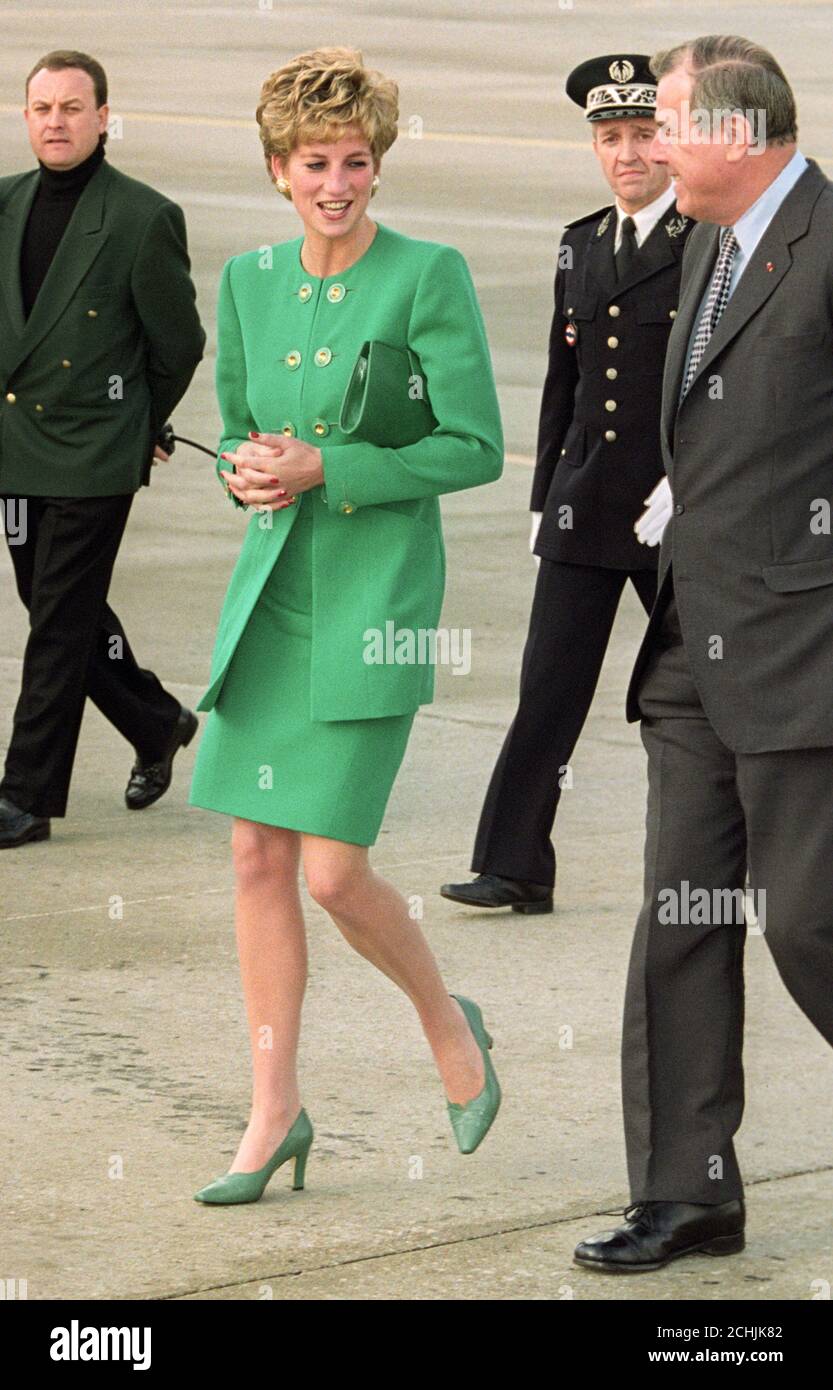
{"x": 99, "y": 339}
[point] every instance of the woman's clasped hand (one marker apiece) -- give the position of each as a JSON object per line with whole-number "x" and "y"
{"x": 270, "y": 469}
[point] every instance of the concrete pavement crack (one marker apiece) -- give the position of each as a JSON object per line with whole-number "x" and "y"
{"x": 549, "y": 1223}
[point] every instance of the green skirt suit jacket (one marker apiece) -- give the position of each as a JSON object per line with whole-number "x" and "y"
{"x": 306, "y": 728}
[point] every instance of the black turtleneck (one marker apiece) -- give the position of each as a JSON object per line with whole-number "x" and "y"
{"x": 54, "y": 202}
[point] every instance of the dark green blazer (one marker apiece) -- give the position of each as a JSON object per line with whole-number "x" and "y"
{"x": 286, "y": 345}
{"x": 109, "y": 348}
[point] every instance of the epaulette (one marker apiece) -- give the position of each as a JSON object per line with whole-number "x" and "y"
{"x": 589, "y": 217}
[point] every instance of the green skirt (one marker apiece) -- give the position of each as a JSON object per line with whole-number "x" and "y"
{"x": 261, "y": 757}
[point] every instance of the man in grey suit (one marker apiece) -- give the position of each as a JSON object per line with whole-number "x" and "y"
{"x": 734, "y": 679}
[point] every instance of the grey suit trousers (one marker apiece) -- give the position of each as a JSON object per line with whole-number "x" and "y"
{"x": 713, "y": 816}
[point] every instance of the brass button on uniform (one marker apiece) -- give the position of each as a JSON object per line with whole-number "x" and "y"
{"x": 571, "y": 312}
{"x": 610, "y": 405}
{"x": 614, "y": 311}
{"x": 288, "y": 428}
{"x": 92, "y": 313}
{"x": 293, "y": 360}
{"x": 39, "y": 408}
{"x": 323, "y": 357}
{"x": 335, "y": 293}
{"x": 66, "y": 362}
{"x": 613, "y": 342}
{"x": 346, "y": 507}
{"x": 611, "y": 373}
{"x": 321, "y": 427}
{"x": 304, "y": 292}
{"x": 610, "y": 436}
{"x": 11, "y": 397}
{"x": 672, "y": 313}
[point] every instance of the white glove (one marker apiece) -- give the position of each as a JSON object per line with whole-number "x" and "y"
{"x": 533, "y": 535}
{"x": 657, "y": 514}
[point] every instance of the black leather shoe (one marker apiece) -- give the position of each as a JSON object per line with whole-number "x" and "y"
{"x": 149, "y": 781}
{"x": 491, "y": 890}
{"x": 16, "y": 826}
{"x": 656, "y": 1232}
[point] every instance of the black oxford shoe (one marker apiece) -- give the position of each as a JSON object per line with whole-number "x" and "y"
{"x": 16, "y": 826}
{"x": 149, "y": 781}
{"x": 656, "y": 1232}
{"x": 491, "y": 890}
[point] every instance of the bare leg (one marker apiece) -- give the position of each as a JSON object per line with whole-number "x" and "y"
{"x": 272, "y": 949}
{"x": 373, "y": 918}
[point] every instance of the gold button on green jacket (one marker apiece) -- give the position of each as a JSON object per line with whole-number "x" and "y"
{"x": 287, "y": 342}
{"x": 113, "y": 339}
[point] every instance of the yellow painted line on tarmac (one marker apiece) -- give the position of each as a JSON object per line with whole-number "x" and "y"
{"x": 526, "y": 459}
{"x": 459, "y": 137}
{"x": 248, "y": 123}
{"x": 529, "y": 141}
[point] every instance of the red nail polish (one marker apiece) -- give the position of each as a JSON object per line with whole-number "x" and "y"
{"x": 253, "y": 434}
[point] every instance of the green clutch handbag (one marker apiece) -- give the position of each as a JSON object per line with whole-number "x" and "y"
{"x": 386, "y": 401}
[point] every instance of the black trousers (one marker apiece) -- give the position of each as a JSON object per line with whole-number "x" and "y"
{"x": 573, "y": 609}
{"x": 63, "y": 561}
{"x": 714, "y": 816}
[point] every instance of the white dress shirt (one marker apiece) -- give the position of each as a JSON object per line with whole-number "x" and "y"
{"x": 646, "y": 219}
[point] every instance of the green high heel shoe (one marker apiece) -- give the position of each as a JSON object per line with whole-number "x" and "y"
{"x": 248, "y": 1187}
{"x": 471, "y": 1122}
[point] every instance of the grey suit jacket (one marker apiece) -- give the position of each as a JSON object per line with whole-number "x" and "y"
{"x": 749, "y": 456}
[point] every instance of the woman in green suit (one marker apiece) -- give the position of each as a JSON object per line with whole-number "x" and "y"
{"x": 307, "y": 729}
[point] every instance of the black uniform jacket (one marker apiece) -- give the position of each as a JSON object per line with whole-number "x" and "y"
{"x": 599, "y": 451}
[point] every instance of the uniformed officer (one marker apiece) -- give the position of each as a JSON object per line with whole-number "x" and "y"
{"x": 598, "y": 463}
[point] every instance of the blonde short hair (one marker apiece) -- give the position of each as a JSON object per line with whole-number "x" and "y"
{"x": 317, "y": 95}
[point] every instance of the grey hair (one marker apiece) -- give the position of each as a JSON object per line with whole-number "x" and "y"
{"x": 735, "y": 74}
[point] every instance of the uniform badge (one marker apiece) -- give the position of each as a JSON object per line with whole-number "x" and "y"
{"x": 676, "y": 225}
{"x": 571, "y": 334}
{"x": 621, "y": 70}
{"x": 605, "y": 223}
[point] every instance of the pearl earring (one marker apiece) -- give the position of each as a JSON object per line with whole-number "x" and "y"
{"x": 282, "y": 186}
{"x": 374, "y": 187}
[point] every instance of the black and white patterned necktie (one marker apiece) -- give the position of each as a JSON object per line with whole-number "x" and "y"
{"x": 715, "y": 304}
